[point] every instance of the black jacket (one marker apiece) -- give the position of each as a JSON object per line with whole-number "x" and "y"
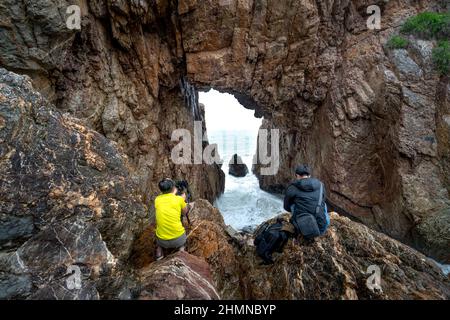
{"x": 304, "y": 194}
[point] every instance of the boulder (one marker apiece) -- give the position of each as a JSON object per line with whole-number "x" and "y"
{"x": 339, "y": 264}
{"x": 370, "y": 120}
{"x": 180, "y": 276}
{"x": 237, "y": 167}
{"x": 206, "y": 238}
{"x": 67, "y": 203}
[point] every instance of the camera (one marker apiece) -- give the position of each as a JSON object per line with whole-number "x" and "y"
{"x": 183, "y": 187}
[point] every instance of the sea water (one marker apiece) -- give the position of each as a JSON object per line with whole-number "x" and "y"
{"x": 243, "y": 204}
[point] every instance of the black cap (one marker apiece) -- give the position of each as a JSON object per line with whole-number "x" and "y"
{"x": 303, "y": 170}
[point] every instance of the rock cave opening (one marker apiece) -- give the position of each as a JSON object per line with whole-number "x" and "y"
{"x": 86, "y": 119}
{"x": 234, "y": 129}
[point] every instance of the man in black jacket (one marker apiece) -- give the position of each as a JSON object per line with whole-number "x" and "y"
{"x": 302, "y": 196}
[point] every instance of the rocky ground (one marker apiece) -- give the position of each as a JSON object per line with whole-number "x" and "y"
{"x": 372, "y": 121}
{"x": 68, "y": 202}
{"x": 334, "y": 267}
{"x": 80, "y": 160}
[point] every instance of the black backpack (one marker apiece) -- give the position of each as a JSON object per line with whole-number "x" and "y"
{"x": 271, "y": 238}
{"x": 305, "y": 223}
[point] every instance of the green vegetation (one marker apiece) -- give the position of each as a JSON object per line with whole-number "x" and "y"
{"x": 428, "y": 25}
{"x": 441, "y": 57}
{"x": 397, "y": 42}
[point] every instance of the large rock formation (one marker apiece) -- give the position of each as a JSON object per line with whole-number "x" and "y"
{"x": 334, "y": 267}
{"x": 122, "y": 74}
{"x": 179, "y": 277}
{"x": 71, "y": 214}
{"x": 67, "y": 203}
{"x": 372, "y": 122}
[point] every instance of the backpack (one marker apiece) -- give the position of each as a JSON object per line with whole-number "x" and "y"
{"x": 305, "y": 223}
{"x": 271, "y": 238}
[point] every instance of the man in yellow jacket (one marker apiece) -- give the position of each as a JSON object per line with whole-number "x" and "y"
{"x": 170, "y": 233}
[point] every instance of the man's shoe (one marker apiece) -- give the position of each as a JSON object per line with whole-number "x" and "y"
{"x": 159, "y": 253}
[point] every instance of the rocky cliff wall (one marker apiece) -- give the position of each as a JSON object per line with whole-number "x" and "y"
{"x": 68, "y": 203}
{"x": 122, "y": 74}
{"x": 73, "y": 226}
{"x": 372, "y": 122}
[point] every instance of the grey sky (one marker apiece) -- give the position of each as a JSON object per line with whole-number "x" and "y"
{"x": 223, "y": 112}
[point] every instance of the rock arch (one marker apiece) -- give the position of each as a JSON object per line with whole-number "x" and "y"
{"x": 370, "y": 121}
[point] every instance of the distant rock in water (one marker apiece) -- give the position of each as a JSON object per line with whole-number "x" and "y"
{"x": 237, "y": 167}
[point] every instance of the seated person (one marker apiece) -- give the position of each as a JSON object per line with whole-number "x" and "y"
{"x": 170, "y": 233}
{"x": 302, "y": 196}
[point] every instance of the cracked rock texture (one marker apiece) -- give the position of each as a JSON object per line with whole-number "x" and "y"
{"x": 67, "y": 201}
{"x": 122, "y": 74}
{"x": 372, "y": 122}
{"x": 335, "y": 266}
{"x": 179, "y": 277}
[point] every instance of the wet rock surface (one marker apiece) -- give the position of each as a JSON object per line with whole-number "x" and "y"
{"x": 237, "y": 167}
{"x": 368, "y": 119}
{"x": 121, "y": 74}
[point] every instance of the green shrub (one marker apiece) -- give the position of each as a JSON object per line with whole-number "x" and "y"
{"x": 428, "y": 25}
{"x": 441, "y": 57}
{"x": 397, "y": 42}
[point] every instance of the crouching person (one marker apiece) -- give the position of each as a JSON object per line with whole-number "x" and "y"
{"x": 305, "y": 199}
{"x": 170, "y": 233}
